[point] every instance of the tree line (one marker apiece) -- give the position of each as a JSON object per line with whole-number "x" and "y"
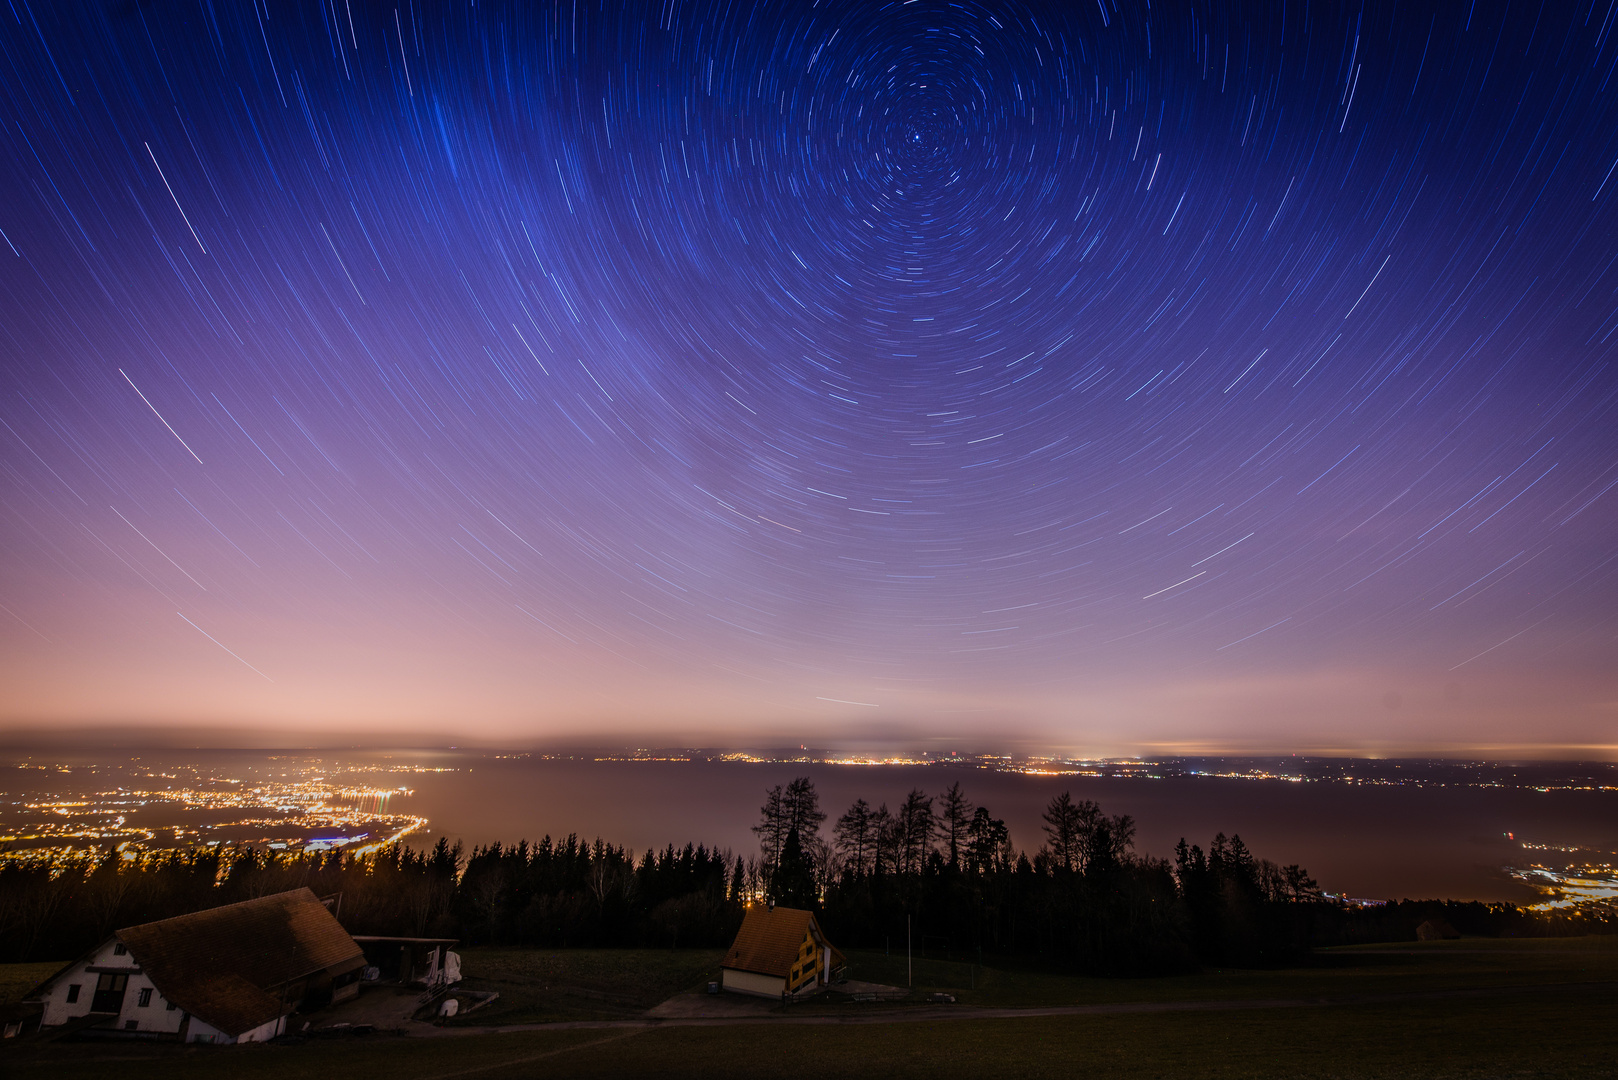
{"x": 948, "y": 869}
{"x": 938, "y": 867}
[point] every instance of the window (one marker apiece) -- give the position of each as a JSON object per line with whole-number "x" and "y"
{"x": 120, "y": 949}
{"x": 73, "y": 992}
{"x": 171, "y": 1006}
{"x": 131, "y": 1025}
{"x": 145, "y": 998}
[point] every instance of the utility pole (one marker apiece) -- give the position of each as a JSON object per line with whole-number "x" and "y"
{"x": 910, "y": 972}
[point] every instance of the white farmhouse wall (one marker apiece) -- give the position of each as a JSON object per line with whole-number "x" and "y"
{"x": 155, "y": 1016}
{"x": 58, "y": 1010}
{"x": 158, "y": 1015}
{"x": 751, "y": 982}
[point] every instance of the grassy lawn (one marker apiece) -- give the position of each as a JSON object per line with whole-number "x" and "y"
{"x": 1552, "y": 1034}
{"x": 17, "y": 979}
{"x": 546, "y": 985}
{"x": 1334, "y": 973}
{"x": 1550, "y": 1026}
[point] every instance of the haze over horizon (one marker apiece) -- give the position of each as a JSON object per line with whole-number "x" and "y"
{"x": 1120, "y": 380}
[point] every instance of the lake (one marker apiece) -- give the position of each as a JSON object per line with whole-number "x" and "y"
{"x": 1434, "y": 830}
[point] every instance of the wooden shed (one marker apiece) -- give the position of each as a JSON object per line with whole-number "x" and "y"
{"x": 779, "y": 952}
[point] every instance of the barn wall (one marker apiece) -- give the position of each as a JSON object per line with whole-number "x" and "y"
{"x": 751, "y": 982}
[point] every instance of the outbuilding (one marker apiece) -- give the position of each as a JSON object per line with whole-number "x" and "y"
{"x": 225, "y": 975}
{"x": 779, "y": 952}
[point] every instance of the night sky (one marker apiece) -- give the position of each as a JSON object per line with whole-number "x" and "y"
{"x": 1103, "y": 376}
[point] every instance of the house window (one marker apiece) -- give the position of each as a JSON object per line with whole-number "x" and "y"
{"x": 131, "y": 1025}
{"x": 145, "y": 998}
{"x": 120, "y": 949}
{"x": 171, "y": 1006}
{"x": 73, "y": 992}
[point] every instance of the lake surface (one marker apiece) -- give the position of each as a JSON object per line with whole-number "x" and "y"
{"x": 1431, "y": 835}
{"x": 1366, "y": 841}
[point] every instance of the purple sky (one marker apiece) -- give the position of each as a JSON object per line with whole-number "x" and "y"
{"x": 1119, "y": 379}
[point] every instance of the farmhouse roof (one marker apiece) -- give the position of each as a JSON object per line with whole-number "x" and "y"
{"x": 229, "y": 965}
{"x": 770, "y": 938}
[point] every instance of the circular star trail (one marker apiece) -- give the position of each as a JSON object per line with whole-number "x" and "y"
{"x": 1118, "y": 374}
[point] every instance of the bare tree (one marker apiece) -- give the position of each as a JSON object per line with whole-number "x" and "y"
{"x": 1070, "y": 826}
{"x": 1108, "y": 842}
{"x": 1295, "y": 883}
{"x": 827, "y": 864}
{"x": 105, "y": 890}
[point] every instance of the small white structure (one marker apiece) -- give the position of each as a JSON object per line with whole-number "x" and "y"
{"x": 226, "y": 975}
{"x": 410, "y": 961}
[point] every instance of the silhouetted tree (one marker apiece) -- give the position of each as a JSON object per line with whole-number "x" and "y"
{"x": 885, "y": 833}
{"x": 917, "y": 828}
{"x": 985, "y": 838}
{"x": 1069, "y": 825}
{"x": 955, "y": 815}
{"x": 856, "y": 837}
{"x": 794, "y": 882}
{"x": 772, "y": 826}
{"x": 801, "y": 807}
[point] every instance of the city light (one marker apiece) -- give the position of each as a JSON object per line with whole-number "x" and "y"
{"x": 298, "y": 806}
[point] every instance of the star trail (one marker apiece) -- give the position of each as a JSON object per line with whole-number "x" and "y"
{"x": 1110, "y": 374}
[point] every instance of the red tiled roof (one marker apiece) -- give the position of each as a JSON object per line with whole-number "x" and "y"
{"x": 228, "y": 965}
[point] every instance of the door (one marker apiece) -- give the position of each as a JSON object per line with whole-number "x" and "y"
{"x": 109, "y": 993}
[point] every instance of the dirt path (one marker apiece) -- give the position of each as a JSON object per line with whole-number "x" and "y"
{"x": 502, "y": 1065}
{"x": 948, "y": 1012}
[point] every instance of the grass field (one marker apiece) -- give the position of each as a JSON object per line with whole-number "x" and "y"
{"x": 17, "y": 979}
{"x": 1470, "y": 1008}
{"x": 1398, "y": 967}
{"x": 548, "y": 985}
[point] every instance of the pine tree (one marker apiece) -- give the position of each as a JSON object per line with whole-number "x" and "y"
{"x": 801, "y": 808}
{"x": 856, "y": 836}
{"x": 884, "y": 841}
{"x": 956, "y": 814}
{"x": 772, "y": 826}
{"x": 916, "y": 830}
{"x": 985, "y": 836}
{"x": 794, "y": 883}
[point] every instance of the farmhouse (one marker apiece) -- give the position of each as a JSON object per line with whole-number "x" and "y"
{"x": 229, "y": 974}
{"x": 779, "y": 952}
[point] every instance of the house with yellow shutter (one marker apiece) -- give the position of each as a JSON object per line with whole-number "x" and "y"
{"x": 779, "y": 952}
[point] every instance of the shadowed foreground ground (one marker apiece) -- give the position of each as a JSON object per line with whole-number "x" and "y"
{"x": 1453, "y": 1012}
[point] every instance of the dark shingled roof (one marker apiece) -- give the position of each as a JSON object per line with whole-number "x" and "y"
{"x": 229, "y": 965}
{"x": 769, "y": 939}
